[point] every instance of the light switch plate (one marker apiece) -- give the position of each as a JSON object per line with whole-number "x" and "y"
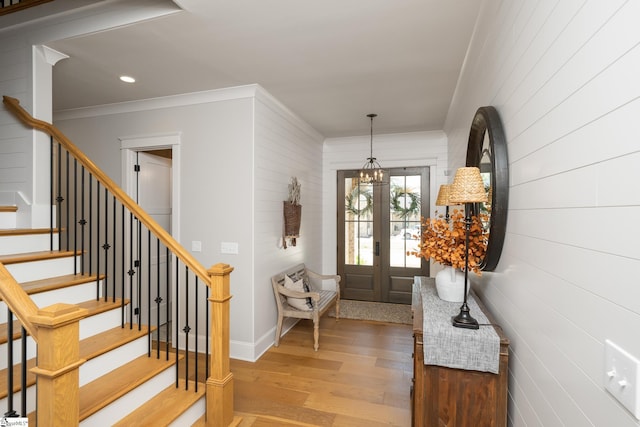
{"x": 196, "y": 246}
{"x": 229, "y": 247}
{"x": 622, "y": 376}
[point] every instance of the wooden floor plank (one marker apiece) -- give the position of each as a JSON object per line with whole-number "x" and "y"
{"x": 361, "y": 376}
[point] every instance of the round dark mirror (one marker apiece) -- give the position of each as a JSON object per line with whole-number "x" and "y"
{"x": 487, "y": 150}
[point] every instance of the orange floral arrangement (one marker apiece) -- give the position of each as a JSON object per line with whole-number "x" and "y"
{"x": 444, "y": 241}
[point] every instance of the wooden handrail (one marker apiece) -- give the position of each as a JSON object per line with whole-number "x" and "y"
{"x": 18, "y": 301}
{"x": 24, "y": 4}
{"x": 14, "y": 106}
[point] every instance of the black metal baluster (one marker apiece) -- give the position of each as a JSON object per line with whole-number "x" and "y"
{"x": 139, "y": 263}
{"x": 131, "y": 272}
{"x": 195, "y": 365}
{"x": 97, "y": 239}
{"x": 67, "y": 204}
{"x": 186, "y": 328}
{"x": 75, "y": 215}
{"x": 23, "y": 374}
{"x": 168, "y": 290}
{"x": 177, "y": 319}
{"x": 59, "y": 197}
{"x": 106, "y": 246}
{"x": 114, "y": 254}
{"x": 158, "y": 297}
{"x": 51, "y": 191}
{"x": 122, "y": 265}
{"x": 83, "y": 222}
{"x": 10, "y": 411}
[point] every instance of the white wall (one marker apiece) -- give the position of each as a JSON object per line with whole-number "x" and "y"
{"x": 216, "y": 181}
{"x": 391, "y": 150}
{"x": 564, "y": 77}
{"x": 239, "y": 149}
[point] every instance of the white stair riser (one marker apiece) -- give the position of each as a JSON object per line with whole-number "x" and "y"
{"x": 191, "y": 415}
{"x": 95, "y": 324}
{"x": 17, "y": 399}
{"x": 69, "y": 295}
{"x": 132, "y": 400}
{"x": 26, "y": 243}
{"x": 8, "y": 220}
{"x": 88, "y": 326}
{"x": 17, "y": 352}
{"x": 105, "y": 363}
{"x": 36, "y": 270}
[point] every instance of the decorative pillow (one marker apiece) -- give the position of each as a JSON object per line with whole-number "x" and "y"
{"x": 298, "y": 303}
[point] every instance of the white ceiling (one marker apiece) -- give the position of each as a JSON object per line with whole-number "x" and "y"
{"x": 329, "y": 61}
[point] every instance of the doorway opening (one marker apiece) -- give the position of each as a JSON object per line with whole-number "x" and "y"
{"x": 151, "y": 178}
{"x": 377, "y": 226}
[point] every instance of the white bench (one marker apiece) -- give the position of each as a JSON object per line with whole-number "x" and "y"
{"x": 322, "y": 299}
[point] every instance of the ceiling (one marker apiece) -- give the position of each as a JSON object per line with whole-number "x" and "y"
{"x": 331, "y": 62}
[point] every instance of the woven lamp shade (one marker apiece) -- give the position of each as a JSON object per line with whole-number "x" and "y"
{"x": 467, "y": 186}
{"x": 443, "y": 195}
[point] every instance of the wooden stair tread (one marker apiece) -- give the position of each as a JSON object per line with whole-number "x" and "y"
{"x": 25, "y": 231}
{"x": 59, "y": 282}
{"x": 89, "y": 349}
{"x": 115, "y": 384}
{"x": 35, "y": 256}
{"x": 92, "y": 306}
{"x": 165, "y": 407}
{"x": 8, "y": 209}
{"x": 103, "y": 342}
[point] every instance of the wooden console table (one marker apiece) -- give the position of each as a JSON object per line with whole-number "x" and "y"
{"x": 455, "y": 397}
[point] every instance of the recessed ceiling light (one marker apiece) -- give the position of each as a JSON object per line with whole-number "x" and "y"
{"x": 127, "y": 79}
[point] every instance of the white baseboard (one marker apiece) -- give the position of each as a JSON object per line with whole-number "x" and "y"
{"x": 243, "y": 350}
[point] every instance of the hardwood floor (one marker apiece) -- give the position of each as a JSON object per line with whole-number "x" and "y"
{"x": 360, "y": 376}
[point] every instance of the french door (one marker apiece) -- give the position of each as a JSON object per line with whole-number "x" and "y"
{"x": 377, "y": 226}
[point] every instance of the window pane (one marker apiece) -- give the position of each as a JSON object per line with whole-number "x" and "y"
{"x": 404, "y": 224}
{"x": 358, "y": 222}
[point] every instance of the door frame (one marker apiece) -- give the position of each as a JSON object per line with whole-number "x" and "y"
{"x": 130, "y": 145}
{"x": 382, "y": 280}
{"x": 330, "y": 185}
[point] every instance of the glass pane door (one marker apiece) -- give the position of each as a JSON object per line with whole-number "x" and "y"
{"x": 377, "y": 226}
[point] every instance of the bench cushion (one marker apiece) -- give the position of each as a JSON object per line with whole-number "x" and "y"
{"x": 298, "y": 285}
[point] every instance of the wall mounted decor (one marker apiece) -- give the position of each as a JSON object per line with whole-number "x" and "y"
{"x": 292, "y": 210}
{"x": 487, "y": 150}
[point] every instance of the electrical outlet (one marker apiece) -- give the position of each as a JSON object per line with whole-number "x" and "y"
{"x": 622, "y": 376}
{"x": 229, "y": 247}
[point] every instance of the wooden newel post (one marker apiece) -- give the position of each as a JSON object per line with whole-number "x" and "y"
{"x": 220, "y": 383}
{"x": 58, "y": 361}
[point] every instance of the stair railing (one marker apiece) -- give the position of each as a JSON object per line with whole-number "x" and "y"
{"x": 137, "y": 264}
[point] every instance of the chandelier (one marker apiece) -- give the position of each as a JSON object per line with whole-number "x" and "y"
{"x": 372, "y": 172}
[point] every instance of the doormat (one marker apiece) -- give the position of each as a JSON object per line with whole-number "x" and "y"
{"x": 376, "y": 311}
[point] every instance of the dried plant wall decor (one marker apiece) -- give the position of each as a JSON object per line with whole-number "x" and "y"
{"x": 292, "y": 210}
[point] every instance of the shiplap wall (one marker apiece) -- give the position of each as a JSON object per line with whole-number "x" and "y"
{"x": 16, "y": 151}
{"x": 564, "y": 76}
{"x": 284, "y": 147}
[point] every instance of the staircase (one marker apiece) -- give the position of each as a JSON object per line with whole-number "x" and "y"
{"x": 72, "y": 298}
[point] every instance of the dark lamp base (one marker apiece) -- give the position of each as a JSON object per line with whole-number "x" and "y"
{"x": 464, "y": 319}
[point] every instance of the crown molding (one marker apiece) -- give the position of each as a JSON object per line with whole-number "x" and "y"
{"x": 194, "y": 98}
